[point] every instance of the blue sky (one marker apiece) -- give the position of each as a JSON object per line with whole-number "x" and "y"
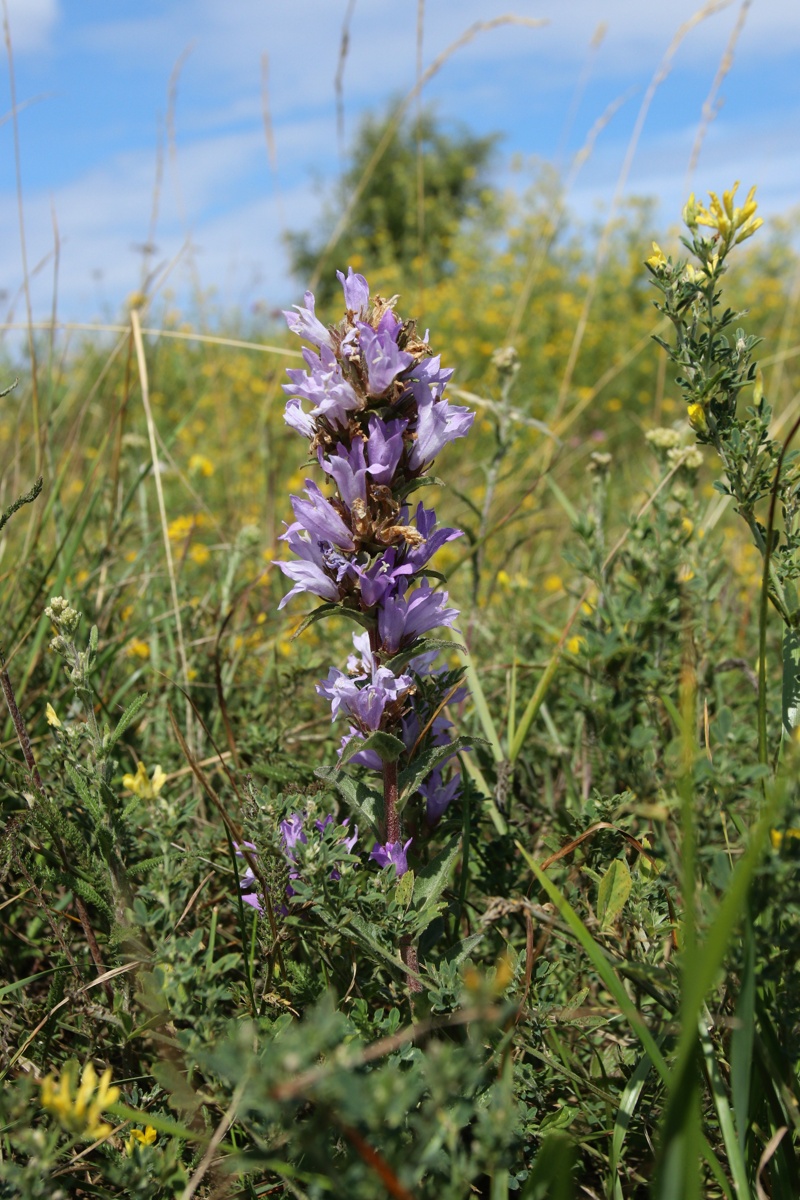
{"x": 92, "y": 79}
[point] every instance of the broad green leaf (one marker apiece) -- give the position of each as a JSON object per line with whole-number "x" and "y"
{"x": 405, "y": 889}
{"x": 385, "y": 745}
{"x": 552, "y": 1174}
{"x": 365, "y": 802}
{"x": 613, "y": 893}
{"x": 333, "y": 610}
{"x": 433, "y": 878}
{"x": 423, "y": 764}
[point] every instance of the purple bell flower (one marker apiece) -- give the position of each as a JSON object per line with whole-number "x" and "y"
{"x": 392, "y": 852}
{"x": 356, "y": 293}
{"x": 364, "y": 704}
{"x": 437, "y": 425}
{"x": 349, "y": 470}
{"x": 324, "y": 386}
{"x": 427, "y": 381}
{"x": 318, "y": 569}
{"x": 383, "y": 360}
{"x": 385, "y": 448}
{"x": 438, "y": 795}
{"x": 305, "y": 323}
{"x": 382, "y": 577}
{"x": 320, "y": 519}
{"x": 402, "y": 618}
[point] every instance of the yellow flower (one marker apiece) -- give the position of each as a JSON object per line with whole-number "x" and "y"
{"x": 697, "y": 418}
{"x": 778, "y": 837}
{"x": 52, "y": 718}
{"x": 553, "y": 583}
{"x": 137, "y": 649}
{"x": 657, "y": 258}
{"x": 574, "y": 645}
{"x": 503, "y": 578}
{"x": 142, "y": 786}
{"x": 200, "y": 554}
{"x": 727, "y": 219}
{"x": 200, "y": 465}
{"x": 78, "y": 1111}
{"x": 144, "y": 1137}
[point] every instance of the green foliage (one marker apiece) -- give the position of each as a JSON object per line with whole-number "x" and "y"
{"x": 387, "y": 227}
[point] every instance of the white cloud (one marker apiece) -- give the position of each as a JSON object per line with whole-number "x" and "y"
{"x": 31, "y": 23}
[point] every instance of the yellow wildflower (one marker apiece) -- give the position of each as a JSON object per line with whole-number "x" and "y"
{"x": 553, "y": 583}
{"x": 200, "y": 465}
{"x": 146, "y": 788}
{"x": 503, "y": 578}
{"x": 200, "y": 554}
{"x": 142, "y": 1137}
{"x": 78, "y": 1111}
{"x": 137, "y": 649}
{"x": 52, "y": 717}
{"x": 778, "y": 837}
{"x": 697, "y": 418}
{"x": 727, "y": 219}
{"x": 657, "y": 258}
{"x": 574, "y": 644}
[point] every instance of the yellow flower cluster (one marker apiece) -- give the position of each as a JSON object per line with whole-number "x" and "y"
{"x": 724, "y": 216}
{"x": 143, "y": 786}
{"x": 78, "y": 1111}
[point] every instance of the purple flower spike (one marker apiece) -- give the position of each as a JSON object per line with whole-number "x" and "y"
{"x": 401, "y": 618}
{"x": 306, "y": 324}
{"x": 394, "y": 853}
{"x": 384, "y": 362}
{"x": 438, "y": 424}
{"x": 356, "y": 292}
{"x": 319, "y": 518}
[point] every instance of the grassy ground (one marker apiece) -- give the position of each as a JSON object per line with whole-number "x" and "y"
{"x": 608, "y": 1004}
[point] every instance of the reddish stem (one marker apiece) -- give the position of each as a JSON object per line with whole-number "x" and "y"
{"x": 392, "y": 822}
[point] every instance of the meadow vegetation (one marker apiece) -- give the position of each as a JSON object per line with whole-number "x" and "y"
{"x": 607, "y": 917}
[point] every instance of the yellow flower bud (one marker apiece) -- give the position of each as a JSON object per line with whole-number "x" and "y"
{"x": 697, "y": 418}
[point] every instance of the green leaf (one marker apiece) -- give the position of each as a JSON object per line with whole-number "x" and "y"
{"x": 423, "y": 764}
{"x": 386, "y": 746}
{"x": 364, "y": 801}
{"x": 405, "y": 889}
{"x": 162, "y": 1124}
{"x": 743, "y": 1036}
{"x": 433, "y": 878}
{"x": 552, "y": 1174}
{"x": 332, "y": 610}
{"x": 421, "y": 645}
{"x": 462, "y": 950}
{"x": 613, "y": 892}
{"x": 20, "y": 983}
{"x": 126, "y": 718}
